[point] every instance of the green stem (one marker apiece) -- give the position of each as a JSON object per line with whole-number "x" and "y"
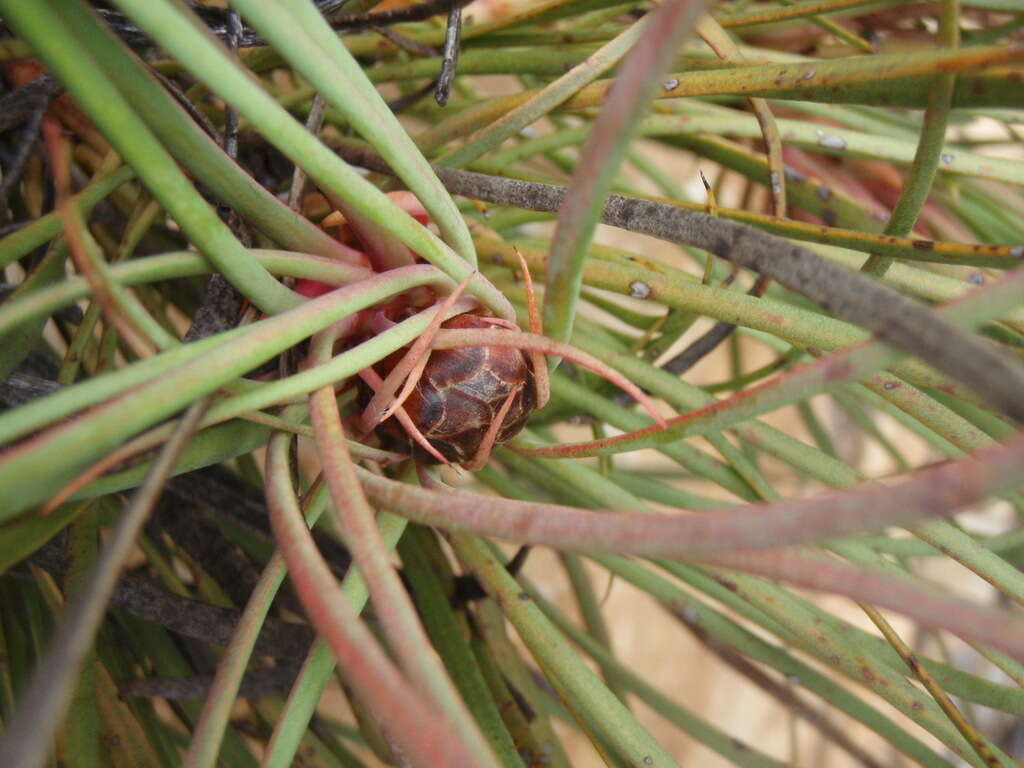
{"x": 930, "y": 143}
{"x": 206, "y": 60}
{"x": 299, "y": 31}
{"x": 598, "y": 707}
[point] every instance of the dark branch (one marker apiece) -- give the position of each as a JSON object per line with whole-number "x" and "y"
{"x": 218, "y": 493}
{"x": 199, "y": 537}
{"x": 707, "y": 343}
{"x": 450, "y": 57}
{"x": 260, "y": 682}
{"x": 26, "y": 141}
{"x": 139, "y": 597}
{"x": 699, "y": 349}
{"x": 19, "y": 388}
{"x": 22, "y": 103}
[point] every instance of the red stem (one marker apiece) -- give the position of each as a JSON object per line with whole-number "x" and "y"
{"x": 356, "y": 522}
{"x": 426, "y": 740}
{"x": 541, "y": 379}
{"x": 931, "y": 492}
{"x": 726, "y": 538}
